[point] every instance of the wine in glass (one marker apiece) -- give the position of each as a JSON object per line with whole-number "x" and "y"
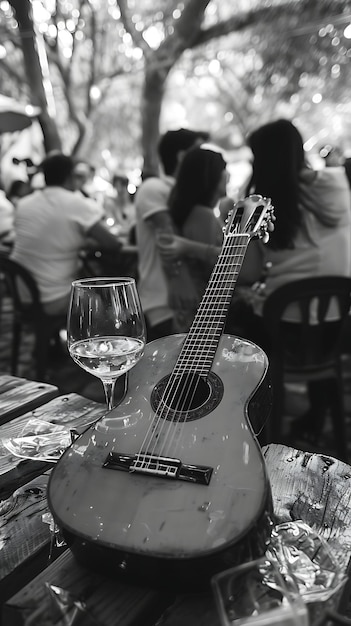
{"x": 106, "y": 328}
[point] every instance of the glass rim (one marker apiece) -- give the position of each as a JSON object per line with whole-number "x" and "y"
{"x": 104, "y": 281}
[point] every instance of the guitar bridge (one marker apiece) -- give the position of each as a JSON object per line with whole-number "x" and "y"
{"x": 158, "y": 466}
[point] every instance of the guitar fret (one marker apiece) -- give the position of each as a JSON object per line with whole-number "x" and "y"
{"x": 219, "y": 289}
{"x": 202, "y": 324}
{"x": 203, "y": 339}
{"x": 192, "y": 367}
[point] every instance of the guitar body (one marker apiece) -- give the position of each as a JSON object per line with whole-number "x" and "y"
{"x": 205, "y": 508}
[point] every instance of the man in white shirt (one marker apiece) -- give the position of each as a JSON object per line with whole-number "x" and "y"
{"x": 52, "y": 226}
{"x": 162, "y": 287}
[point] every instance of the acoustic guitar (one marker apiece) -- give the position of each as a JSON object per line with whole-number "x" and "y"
{"x": 170, "y": 487}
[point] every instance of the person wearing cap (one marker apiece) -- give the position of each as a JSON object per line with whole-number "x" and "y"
{"x": 52, "y": 226}
{"x": 164, "y": 287}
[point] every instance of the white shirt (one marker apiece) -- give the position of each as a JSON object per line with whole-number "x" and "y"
{"x": 51, "y": 227}
{"x": 152, "y": 198}
{"x": 322, "y": 246}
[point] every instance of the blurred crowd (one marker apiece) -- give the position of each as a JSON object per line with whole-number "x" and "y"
{"x": 51, "y": 212}
{"x": 24, "y": 177}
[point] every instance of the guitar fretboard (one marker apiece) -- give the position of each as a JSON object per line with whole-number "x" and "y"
{"x": 202, "y": 340}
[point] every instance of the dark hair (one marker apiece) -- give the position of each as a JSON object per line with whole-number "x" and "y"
{"x": 175, "y": 141}
{"x": 19, "y": 188}
{"x": 197, "y": 181}
{"x": 57, "y": 168}
{"x": 278, "y": 159}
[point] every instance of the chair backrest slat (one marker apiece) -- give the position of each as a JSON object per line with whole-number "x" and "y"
{"x": 21, "y": 285}
{"x": 324, "y": 305}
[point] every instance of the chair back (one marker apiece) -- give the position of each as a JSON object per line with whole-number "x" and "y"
{"x": 323, "y": 304}
{"x": 21, "y": 286}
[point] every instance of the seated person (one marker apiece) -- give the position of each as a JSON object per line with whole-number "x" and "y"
{"x": 200, "y": 183}
{"x": 52, "y": 226}
{"x": 163, "y": 287}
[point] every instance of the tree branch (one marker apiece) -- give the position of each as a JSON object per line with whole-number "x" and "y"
{"x": 241, "y": 21}
{"x": 126, "y": 18}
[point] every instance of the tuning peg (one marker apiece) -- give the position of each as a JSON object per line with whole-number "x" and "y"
{"x": 265, "y": 238}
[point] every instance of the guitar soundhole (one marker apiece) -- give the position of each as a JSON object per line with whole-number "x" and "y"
{"x": 187, "y": 397}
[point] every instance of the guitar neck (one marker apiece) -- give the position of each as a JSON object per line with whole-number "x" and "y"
{"x": 202, "y": 340}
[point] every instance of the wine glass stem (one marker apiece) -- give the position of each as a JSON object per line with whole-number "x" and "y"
{"x": 109, "y": 387}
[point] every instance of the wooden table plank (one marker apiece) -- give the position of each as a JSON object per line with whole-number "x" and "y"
{"x": 108, "y": 601}
{"x": 21, "y": 525}
{"x": 18, "y": 395}
{"x": 72, "y": 410}
{"x": 314, "y": 488}
{"x": 24, "y": 538}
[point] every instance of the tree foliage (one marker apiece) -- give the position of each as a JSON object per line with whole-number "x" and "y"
{"x": 110, "y": 75}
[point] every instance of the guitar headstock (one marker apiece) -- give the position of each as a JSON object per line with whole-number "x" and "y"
{"x": 253, "y": 216}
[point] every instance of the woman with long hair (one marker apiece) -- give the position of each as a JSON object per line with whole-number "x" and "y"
{"x": 311, "y": 237}
{"x": 200, "y": 183}
{"x": 311, "y": 234}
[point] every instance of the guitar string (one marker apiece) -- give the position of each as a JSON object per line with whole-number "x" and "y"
{"x": 207, "y": 351}
{"x": 177, "y": 381}
{"x": 185, "y": 400}
{"x": 216, "y": 331}
{"x": 219, "y": 321}
{"x": 171, "y": 388}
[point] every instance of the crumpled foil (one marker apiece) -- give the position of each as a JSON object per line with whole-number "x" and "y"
{"x": 305, "y": 556}
{"x": 40, "y": 441}
{"x": 298, "y": 569}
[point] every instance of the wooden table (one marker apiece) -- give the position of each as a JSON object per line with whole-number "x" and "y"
{"x": 311, "y": 487}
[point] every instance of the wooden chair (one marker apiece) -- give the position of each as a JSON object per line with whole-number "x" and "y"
{"x": 309, "y": 350}
{"x": 28, "y": 313}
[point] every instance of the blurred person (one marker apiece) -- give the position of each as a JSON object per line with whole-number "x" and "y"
{"x": 18, "y": 189}
{"x": 163, "y": 286}
{"x": 121, "y": 206}
{"x": 26, "y": 170}
{"x": 332, "y": 156}
{"x": 311, "y": 237}
{"x": 82, "y": 175}
{"x": 200, "y": 183}
{"x": 52, "y": 226}
{"x": 312, "y": 207}
{"x": 120, "y": 184}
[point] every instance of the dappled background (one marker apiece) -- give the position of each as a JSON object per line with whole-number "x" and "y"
{"x": 109, "y": 76}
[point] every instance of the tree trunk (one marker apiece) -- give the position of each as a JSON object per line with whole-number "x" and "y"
{"x": 186, "y": 31}
{"x": 152, "y": 97}
{"x": 32, "y": 65}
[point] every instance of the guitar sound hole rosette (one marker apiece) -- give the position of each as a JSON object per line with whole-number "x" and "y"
{"x": 187, "y": 397}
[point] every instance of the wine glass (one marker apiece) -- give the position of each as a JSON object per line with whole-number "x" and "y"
{"x": 105, "y": 328}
